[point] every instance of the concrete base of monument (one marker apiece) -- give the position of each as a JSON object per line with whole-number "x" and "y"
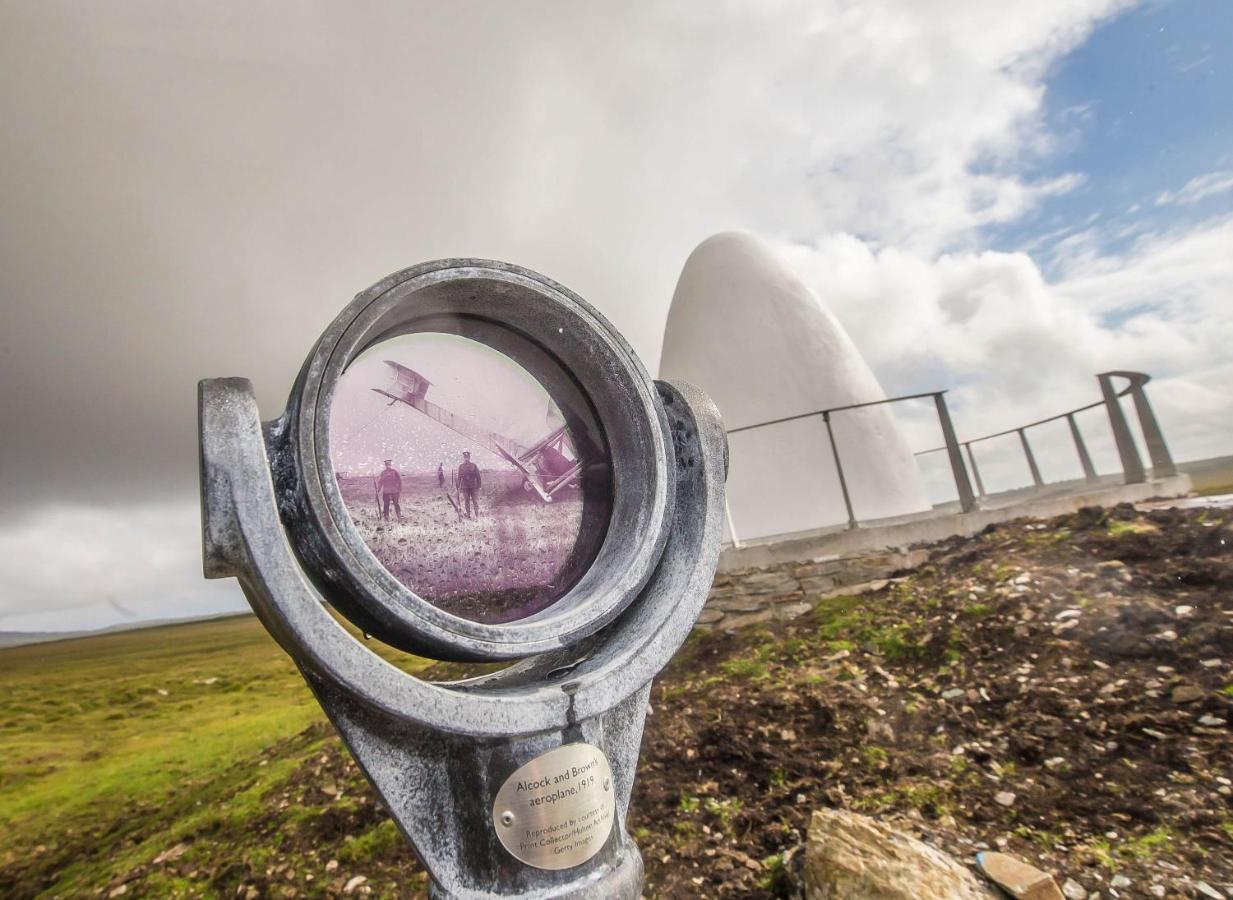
{"x": 947, "y": 520}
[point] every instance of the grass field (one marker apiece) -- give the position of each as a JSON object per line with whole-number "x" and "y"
{"x": 1079, "y": 665}
{"x": 115, "y": 748}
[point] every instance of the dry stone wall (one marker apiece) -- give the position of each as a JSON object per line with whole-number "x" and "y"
{"x": 787, "y": 590}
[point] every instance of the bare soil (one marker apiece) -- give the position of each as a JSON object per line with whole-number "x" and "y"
{"x": 1061, "y": 690}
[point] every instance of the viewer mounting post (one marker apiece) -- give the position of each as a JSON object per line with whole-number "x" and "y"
{"x": 516, "y": 783}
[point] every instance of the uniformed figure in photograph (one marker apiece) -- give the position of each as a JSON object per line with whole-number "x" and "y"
{"x": 469, "y": 484}
{"x": 389, "y": 486}
{"x": 440, "y": 474}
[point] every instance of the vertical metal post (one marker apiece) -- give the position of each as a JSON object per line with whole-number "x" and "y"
{"x": 736, "y": 543}
{"x": 1031, "y": 460}
{"x": 980, "y": 486}
{"x": 1132, "y": 464}
{"x": 1089, "y": 471}
{"x": 843, "y": 483}
{"x": 967, "y": 502}
{"x": 1157, "y": 449}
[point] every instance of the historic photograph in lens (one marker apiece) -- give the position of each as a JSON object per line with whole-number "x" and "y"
{"x": 465, "y": 478}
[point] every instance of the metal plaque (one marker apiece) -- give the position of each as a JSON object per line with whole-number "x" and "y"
{"x": 556, "y": 811}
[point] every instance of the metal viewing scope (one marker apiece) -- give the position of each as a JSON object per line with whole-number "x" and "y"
{"x": 473, "y": 465}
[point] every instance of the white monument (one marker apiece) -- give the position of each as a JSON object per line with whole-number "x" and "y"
{"x": 747, "y": 331}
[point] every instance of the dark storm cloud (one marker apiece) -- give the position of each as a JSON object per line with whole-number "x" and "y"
{"x": 195, "y": 193}
{"x": 195, "y": 190}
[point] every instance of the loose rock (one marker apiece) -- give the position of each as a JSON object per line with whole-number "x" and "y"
{"x": 853, "y": 857}
{"x": 1072, "y": 890}
{"x": 1017, "y": 878}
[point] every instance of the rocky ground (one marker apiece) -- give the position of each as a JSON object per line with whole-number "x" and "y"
{"x": 1061, "y": 690}
{"x": 1058, "y": 689}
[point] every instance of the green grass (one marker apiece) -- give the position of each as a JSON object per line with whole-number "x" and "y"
{"x": 129, "y": 715}
{"x": 1144, "y": 847}
{"x": 1148, "y": 845}
{"x": 874, "y": 757}
{"x": 113, "y": 748}
{"x": 377, "y": 841}
{"x": 1118, "y": 528}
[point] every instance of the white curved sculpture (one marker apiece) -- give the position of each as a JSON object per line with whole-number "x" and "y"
{"x": 747, "y": 331}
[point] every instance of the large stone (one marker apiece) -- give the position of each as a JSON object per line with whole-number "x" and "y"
{"x": 733, "y": 622}
{"x": 739, "y": 604}
{"x": 818, "y": 567}
{"x": 817, "y": 583}
{"x": 1017, "y": 878}
{"x": 1186, "y": 693}
{"x": 913, "y": 558}
{"x": 767, "y": 583}
{"x": 853, "y": 857}
{"x": 787, "y": 611}
{"x": 860, "y": 574}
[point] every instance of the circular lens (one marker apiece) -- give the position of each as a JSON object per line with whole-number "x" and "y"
{"x": 484, "y": 489}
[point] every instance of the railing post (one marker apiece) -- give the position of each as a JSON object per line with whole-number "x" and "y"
{"x": 1157, "y": 449}
{"x": 736, "y": 542}
{"x": 980, "y": 485}
{"x": 967, "y": 502}
{"x": 1031, "y": 460}
{"x": 843, "y": 482}
{"x": 1089, "y": 471}
{"x": 1132, "y": 464}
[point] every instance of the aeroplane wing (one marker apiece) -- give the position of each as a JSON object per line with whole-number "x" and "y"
{"x": 410, "y": 387}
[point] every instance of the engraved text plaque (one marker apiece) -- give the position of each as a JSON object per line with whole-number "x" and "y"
{"x": 556, "y": 811}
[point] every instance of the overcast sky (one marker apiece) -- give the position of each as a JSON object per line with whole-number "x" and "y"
{"x": 1000, "y": 197}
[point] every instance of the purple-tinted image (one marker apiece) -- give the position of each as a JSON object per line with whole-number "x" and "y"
{"x": 462, "y": 477}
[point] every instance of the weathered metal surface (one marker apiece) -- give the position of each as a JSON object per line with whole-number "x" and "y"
{"x": 439, "y": 752}
{"x": 566, "y": 345}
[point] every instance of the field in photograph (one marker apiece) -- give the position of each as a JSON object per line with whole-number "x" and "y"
{"x": 499, "y": 566}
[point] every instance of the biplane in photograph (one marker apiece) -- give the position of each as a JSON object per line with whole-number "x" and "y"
{"x": 547, "y": 466}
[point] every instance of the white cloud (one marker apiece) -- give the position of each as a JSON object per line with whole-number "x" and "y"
{"x": 1199, "y": 188}
{"x": 1014, "y": 347}
{"x": 76, "y": 568}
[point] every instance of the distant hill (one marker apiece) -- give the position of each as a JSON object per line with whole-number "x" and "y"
{"x": 24, "y": 638}
{"x": 21, "y": 638}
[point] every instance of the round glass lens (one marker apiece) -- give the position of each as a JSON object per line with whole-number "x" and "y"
{"x": 474, "y": 484}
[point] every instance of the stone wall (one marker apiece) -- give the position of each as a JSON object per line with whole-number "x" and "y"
{"x": 787, "y": 590}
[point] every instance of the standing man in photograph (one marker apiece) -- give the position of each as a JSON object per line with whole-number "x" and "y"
{"x": 440, "y": 474}
{"x": 389, "y": 486}
{"x": 469, "y": 483}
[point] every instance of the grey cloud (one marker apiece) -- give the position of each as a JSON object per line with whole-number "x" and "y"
{"x": 195, "y": 190}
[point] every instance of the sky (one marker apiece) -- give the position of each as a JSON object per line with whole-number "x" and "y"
{"x": 484, "y": 387}
{"x": 1002, "y": 199}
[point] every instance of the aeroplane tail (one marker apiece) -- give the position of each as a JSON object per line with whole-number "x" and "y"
{"x": 408, "y": 384}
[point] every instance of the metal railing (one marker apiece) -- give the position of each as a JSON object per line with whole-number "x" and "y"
{"x": 1128, "y": 452}
{"x": 966, "y": 498}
